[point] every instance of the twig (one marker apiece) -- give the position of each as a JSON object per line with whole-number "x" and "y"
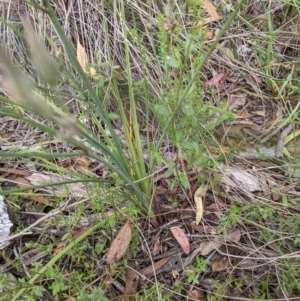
{"x": 282, "y": 136}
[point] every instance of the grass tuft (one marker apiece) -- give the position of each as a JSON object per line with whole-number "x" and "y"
{"x": 119, "y": 111}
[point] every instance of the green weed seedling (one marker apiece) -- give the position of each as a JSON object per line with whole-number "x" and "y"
{"x": 195, "y": 270}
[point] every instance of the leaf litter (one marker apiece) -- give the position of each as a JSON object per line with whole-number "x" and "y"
{"x": 119, "y": 244}
{"x": 204, "y": 239}
{"x": 199, "y": 194}
{"x": 181, "y": 238}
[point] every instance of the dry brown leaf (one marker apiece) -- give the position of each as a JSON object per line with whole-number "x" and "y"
{"x": 234, "y": 236}
{"x": 85, "y": 171}
{"x": 60, "y": 246}
{"x": 259, "y": 113}
{"x": 210, "y": 20}
{"x": 221, "y": 264}
{"x": 132, "y": 281}
{"x": 224, "y": 149}
{"x": 273, "y": 123}
{"x": 235, "y": 131}
{"x": 199, "y": 194}
{"x": 175, "y": 274}
{"x": 15, "y": 171}
{"x": 80, "y": 232}
{"x": 205, "y": 229}
{"x": 82, "y": 56}
{"x": 157, "y": 265}
{"x": 242, "y": 116}
{"x": 281, "y": 296}
{"x": 21, "y": 182}
{"x": 181, "y": 238}
{"x": 196, "y": 294}
{"x": 210, "y": 35}
{"x": 235, "y": 101}
{"x": 255, "y": 77}
{"x": 208, "y": 246}
{"x": 225, "y": 130}
{"x": 248, "y": 264}
{"x": 37, "y": 199}
{"x": 83, "y": 61}
{"x": 215, "y": 207}
{"x": 119, "y": 244}
{"x": 92, "y": 71}
{"x": 81, "y": 161}
{"x": 108, "y": 280}
{"x": 164, "y": 191}
{"x": 156, "y": 247}
{"x": 215, "y": 80}
{"x": 211, "y": 10}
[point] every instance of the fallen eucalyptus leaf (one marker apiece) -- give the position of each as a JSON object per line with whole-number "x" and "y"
{"x": 181, "y": 238}
{"x": 119, "y": 244}
{"x": 199, "y": 194}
